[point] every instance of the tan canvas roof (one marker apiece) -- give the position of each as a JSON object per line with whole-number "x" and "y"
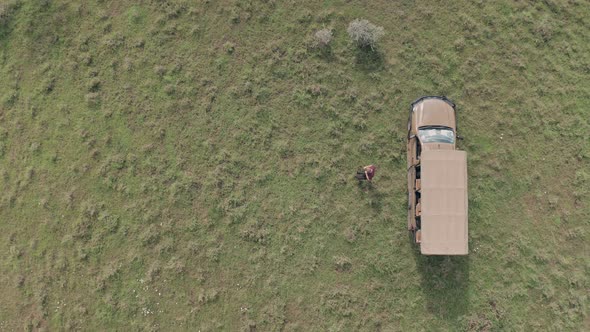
{"x": 444, "y": 202}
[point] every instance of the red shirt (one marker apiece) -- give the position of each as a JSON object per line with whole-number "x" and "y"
{"x": 370, "y": 171}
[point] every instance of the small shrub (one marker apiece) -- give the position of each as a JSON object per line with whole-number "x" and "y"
{"x": 340, "y": 301}
{"x": 305, "y": 17}
{"x": 359, "y": 123}
{"x": 169, "y": 89}
{"x": 207, "y": 296}
{"x": 134, "y": 15}
{"x": 342, "y": 263}
{"x": 234, "y": 15}
{"x": 229, "y": 47}
{"x": 47, "y": 85}
{"x": 15, "y": 252}
{"x": 93, "y": 85}
{"x": 308, "y": 264}
{"x": 150, "y": 237}
{"x": 4, "y": 13}
{"x": 109, "y": 223}
{"x": 35, "y": 147}
{"x": 322, "y": 38}
{"x": 85, "y": 59}
{"x": 160, "y": 70}
{"x": 92, "y": 99}
{"x": 153, "y": 272}
{"x": 213, "y": 254}
{"x": 325, "y": 16}
{"x": 165, "y": 246}
{"x": 7, "y": 9}
{"x": 459, "y": 44}
{"x": 193, "y": 247}
{"x": 176, "y": 266}
{"x": 364, "y": 33}
{"x": 316, "y": 90}
{"x": 350, "y": 234}
{"x": 10, "y": 98}
{"x": 20, "y": 281}
{"x": 544, "y": 29}
{"x": 254, "y": 231}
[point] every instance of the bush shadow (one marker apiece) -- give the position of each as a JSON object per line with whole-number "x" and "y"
{"x": 326, "y": 53}
{"x": 445, "y": 284}
{"x": 369, "y": 59}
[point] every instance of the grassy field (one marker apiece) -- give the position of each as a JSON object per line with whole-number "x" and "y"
{"x": 188, "y": 165}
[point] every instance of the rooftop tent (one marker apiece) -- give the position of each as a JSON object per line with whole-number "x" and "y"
{"x": 444, "y": 202}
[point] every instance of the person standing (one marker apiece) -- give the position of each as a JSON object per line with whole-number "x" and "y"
{"x": 367, "y": 173}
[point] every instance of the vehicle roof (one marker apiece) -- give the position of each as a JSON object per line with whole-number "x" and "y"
{"x": 444, "y": 202}
{"x": 433, "y": 111}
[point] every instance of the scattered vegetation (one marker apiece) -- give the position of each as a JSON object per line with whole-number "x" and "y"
{"x": 188, "y": 165}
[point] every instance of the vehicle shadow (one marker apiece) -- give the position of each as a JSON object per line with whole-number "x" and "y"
{"x": 445, "y": 284}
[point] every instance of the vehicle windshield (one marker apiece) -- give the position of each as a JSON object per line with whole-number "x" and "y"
{"x": 436, "y": 135}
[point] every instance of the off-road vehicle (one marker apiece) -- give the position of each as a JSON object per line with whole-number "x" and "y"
{"x": 437, "y": 179}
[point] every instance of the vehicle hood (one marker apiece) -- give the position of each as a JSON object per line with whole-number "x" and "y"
{"x": 434, "y": 112}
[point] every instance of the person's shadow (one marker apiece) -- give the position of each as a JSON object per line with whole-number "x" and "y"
{"x": 371, "y": 191}
{"x": 445, "y": 284}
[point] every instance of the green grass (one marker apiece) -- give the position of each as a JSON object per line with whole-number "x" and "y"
{"x": 187, "y": 165}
